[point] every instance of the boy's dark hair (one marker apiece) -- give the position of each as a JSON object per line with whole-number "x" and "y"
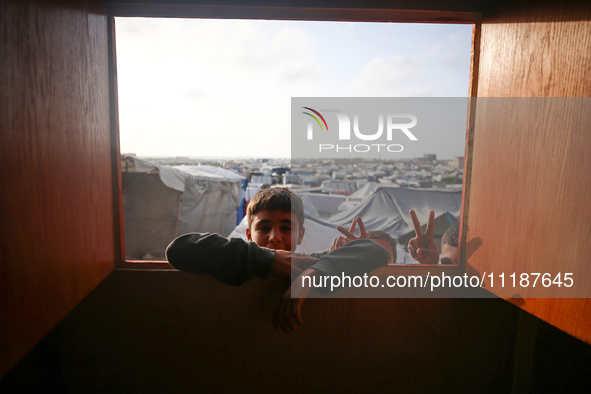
{"x": 451, "y": 236}
{"x": 378, "y": 234}
{"x": 275, "y": 198}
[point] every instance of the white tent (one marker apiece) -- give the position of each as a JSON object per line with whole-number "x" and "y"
{"x": 387, "y": 208}
{"x": 358, "y": 196}
{"x": 161, "y": 202}
{"x": 319, "y": 237}
{"x": 324, "y": 204}
{"x": 364, "y": 191}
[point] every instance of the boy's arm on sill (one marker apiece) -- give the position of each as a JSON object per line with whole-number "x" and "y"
{"x": 354, "y": 259}
{"x": 229, "y": 260}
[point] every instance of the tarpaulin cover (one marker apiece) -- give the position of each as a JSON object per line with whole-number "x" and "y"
{"x": 161, "y": 202}
{"x": 319, "y": 237}
{"x": 363, "y": 192}
{"x": 387, "y": 208}
{"x": 324, "y": 204}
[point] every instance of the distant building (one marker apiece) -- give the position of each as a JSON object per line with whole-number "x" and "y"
{"x": 261, "y": 178}
{"x": 292, "y": 179}
{"x": 338, "y": 175}
{"x": 460, "y": 162}
{"x": 430, "y": 156}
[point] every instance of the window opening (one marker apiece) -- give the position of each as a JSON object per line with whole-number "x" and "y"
{"x": 204, "y": 120}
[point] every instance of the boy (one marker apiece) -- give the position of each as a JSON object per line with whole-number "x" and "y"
{"x": 450, "y": 253}
{"x": 275, "y": 219}
{"x": 423, "y": 248}
{"x": 386, "y": 241}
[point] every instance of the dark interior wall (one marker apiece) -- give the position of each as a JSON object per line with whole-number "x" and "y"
{"x": 56, "y": 195}
{"x": 161, "y": 331}
{"x": 529, "y": 204}
{"x": 171, "y": 331}
{"x": 166, "y": 331}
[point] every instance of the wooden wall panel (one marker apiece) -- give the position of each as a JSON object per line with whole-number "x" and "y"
{"x": 426, "y": 11}
{"x": 537, "y": 50}
{"x": 179, "y": 332}
{"x": 56, "y": 196}
{"x": 530, "y": 194}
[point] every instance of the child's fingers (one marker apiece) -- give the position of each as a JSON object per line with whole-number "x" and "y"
{"x": 412, "y": 248}
{"x": 335, "y": 244}
{"x": 415, "y": 222}
{"x": 288, "y": 316}
{"x": 430, "y": 224}
{"x": 298, "y": 318}
{"x": 362, "y": 232}
{"x": 346, "y": 232}
{"x": 352, "y": 227}
{"x": 428, "y": 256}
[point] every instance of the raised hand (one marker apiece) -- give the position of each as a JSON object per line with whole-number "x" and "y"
{"x": 338, "y": 243}
{"x": 422, "y": 247}
{"x": 350, "y": 234}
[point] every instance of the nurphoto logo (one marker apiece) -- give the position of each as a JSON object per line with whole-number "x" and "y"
{"x": 394, "y": 124}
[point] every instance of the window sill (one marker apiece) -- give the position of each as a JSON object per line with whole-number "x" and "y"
{"x": 152, "y": 265}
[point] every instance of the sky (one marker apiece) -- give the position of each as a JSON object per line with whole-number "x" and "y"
{"x": 207, "y": 88}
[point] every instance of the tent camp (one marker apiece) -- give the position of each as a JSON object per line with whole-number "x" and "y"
{"x": 324, "y": 204}
{"x": 359, "y": 195}
{"x": 387, "y": 208}
{"x": 161, "y": 202}
{"x": 319, "y": 237}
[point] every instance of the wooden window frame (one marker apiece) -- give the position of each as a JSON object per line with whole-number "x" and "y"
{"x": 287, "y": 13}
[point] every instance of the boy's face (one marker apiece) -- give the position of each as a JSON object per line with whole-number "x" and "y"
{"x": 388, "y": 247}
{"x": 275, "y": 230}
{"x": 450, "y": 254}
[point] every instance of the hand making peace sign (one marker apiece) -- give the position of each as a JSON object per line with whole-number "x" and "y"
{"x": 422, "y": 247}
{"x": 339, "y": 242}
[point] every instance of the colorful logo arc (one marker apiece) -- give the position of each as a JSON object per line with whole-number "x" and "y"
{"x": 315, "y": 118}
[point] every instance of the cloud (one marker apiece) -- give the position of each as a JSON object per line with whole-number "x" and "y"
{"x": 195, "y": 78}
{"x": 389, "y": 76}
{"x": 451, "y": 51}
{"x": 457, "y": 58}
{"x": 439, "y": 69}
{"x": 192, "y": 93}
{"x": 291, "y": 57}
{"x": 209, "y": 54}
